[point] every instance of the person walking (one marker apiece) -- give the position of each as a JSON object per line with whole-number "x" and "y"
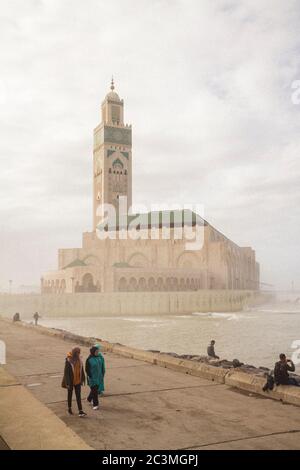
{"x": 103, "y": 369}
{"x": 94, "y": 372}
{"x": 36, "y": 317}
{"x": 74, "y": 378}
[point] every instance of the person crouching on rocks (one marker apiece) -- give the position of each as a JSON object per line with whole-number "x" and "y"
{"x": 211, "y": 350}
{"x": 74, "y": 378}
{"x": 95, "y": 376}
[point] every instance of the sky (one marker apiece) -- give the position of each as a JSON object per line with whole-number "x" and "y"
{"x": 208, "y": 89}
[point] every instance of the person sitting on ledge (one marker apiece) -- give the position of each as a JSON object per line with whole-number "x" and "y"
{"x": 282, "y": 369}
{"x": 211, "y": 350}
{"x": 16, "y": 317}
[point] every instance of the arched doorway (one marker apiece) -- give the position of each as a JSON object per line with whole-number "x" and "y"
{"x": 122, "y": 284}
{"x": 132, "y": 284}
{"x": 142, "y": 284}
{"x": 88, "y": 283}
{"x": 151, "y": 284}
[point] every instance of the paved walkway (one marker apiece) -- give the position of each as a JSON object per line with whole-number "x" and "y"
{"x": 149, "y": 407}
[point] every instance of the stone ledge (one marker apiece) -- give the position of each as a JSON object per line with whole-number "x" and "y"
{"x": 231, "y": 377}
{"x": 253, "y": 383}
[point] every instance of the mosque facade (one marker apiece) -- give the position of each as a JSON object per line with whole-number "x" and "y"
{"x": 143, "y": 252}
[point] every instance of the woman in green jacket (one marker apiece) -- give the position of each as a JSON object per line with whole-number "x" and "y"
{"x": 95, "y": 370}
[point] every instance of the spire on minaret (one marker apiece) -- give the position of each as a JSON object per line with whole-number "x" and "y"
{"x": 112, "y": 85}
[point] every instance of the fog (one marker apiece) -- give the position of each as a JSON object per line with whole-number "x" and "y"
{"x": 208, "y": 89}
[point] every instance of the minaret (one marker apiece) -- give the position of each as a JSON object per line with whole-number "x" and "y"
{"x": 112, "y": 155}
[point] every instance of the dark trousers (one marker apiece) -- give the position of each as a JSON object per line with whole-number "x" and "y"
{"x": 77, "y": 389}
{"x": 93, "y": 395}
{"x": 293, "y": 381}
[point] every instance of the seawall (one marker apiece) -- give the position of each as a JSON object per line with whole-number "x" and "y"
{"x": 125, "y": 303}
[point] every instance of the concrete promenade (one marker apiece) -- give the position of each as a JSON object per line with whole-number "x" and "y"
{"x": 145, "y": 406}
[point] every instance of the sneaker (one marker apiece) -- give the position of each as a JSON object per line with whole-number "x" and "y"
{"x": 82, "y": 414}
{"x": 70, "y": 411}
{"x": 95, "y": 407}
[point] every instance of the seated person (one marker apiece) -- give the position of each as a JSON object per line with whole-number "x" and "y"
{"x": 282, "y": 369}
{"x": 211, "y": 350}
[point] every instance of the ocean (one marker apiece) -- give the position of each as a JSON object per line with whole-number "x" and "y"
{"x": 255, "y": 336}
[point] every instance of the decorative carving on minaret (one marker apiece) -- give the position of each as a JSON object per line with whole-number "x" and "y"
{"x": 112, "y": 154}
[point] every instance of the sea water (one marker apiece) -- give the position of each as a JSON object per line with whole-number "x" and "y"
{"x": 255, "y": 336}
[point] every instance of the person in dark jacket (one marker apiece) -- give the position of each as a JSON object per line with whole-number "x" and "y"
{"x": 16, "y": 317}
{"x": 74, "y": 378}
{"x": 36, "y": 317}
{"x": 211, "y": 350}
{"x": 282, "y": 369}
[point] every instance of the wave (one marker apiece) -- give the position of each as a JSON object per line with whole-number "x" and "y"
{"x": 181, "y": 316}
{"x": 145, "y": 320}
{"x": 226, "y": 316}
{"x": 152, "y": 325}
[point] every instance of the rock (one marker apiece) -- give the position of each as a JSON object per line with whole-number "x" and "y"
{"x": 171, "y": 354}
{"x": 236, "y": 363}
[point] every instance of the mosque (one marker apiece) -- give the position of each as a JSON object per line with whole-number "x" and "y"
{"x": 110, "y": 261}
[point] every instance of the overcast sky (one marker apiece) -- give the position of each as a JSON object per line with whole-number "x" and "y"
{"x": 207, "y": 87}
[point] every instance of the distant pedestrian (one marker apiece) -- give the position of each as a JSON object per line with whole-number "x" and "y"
{"x": 94, "y": 372}
{"x": 211, "y": 350}
{"x": 16, "y": 317}
{"x": 282, "y": 369}
{"x": 74, "y": 378}
{"x": 36, "y": 317}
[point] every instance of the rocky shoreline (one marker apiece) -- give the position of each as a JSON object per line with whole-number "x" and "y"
{"x": 223, "y": 363}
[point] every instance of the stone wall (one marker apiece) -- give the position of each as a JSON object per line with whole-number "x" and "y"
{"x": 125, "y": 303}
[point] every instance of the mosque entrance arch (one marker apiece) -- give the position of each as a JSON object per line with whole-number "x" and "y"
{"x": 88, "y": 283}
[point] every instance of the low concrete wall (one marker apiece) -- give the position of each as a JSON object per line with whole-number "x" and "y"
{"x": 125, "y": 303}
{"x": 232, "y": 377}
{"x": 254, "y": 383}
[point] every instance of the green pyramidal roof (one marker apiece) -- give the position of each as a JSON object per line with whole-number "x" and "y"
{"x": 76, "y": 262}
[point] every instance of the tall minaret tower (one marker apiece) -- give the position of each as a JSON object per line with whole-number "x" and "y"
{"x": 112, "y": 155}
